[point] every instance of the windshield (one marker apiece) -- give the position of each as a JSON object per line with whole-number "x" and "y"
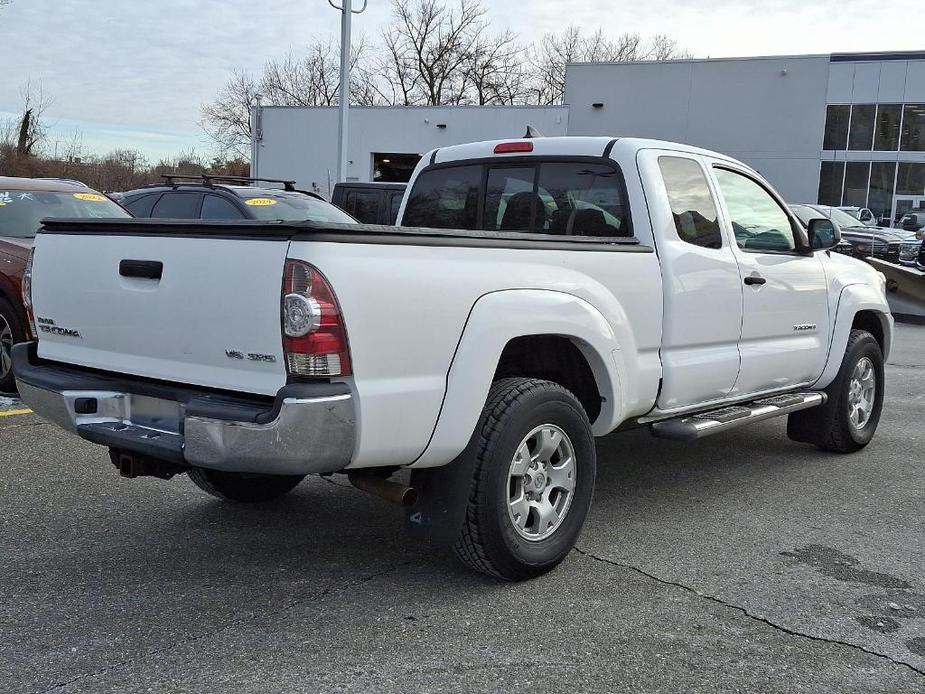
{"x": 840, "y": 217}
{"x": 293, "y": 207}
{"x": 22, "y": 211}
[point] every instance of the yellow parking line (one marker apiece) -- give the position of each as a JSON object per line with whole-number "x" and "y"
{"x": 14, "y": 413}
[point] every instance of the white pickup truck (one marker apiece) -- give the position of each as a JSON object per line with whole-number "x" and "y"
{"x": 537, "y": 293}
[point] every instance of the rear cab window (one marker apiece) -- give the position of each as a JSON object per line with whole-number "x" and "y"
{"x": 532, "y": 195}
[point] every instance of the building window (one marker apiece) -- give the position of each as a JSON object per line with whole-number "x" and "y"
{"x": 910, "y": 179}
{"x": 395, "y": 167}
{"x": 880, "y": 199}
{"x": 830, "y": 180}
{"x": 913, "y": 139}
{"x": 886, "y": 132}
{"x": 857, "y": 177}
{"x": 861, "y": 136}
{"x": 691, "y": 202}
{"x": 836, "y": 127}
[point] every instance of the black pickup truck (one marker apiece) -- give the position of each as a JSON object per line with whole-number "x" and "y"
{"x": 370, "y": 203}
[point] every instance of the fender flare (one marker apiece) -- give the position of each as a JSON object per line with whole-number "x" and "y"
{"x": 497, "y": 318}
{"x": 853, "y": 299}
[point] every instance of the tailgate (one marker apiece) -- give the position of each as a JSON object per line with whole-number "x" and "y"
{"x": 211, "y": 319}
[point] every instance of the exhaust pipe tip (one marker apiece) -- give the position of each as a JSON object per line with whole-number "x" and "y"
{"x": 392, "y": 492}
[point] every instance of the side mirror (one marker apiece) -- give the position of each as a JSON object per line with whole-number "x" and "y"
{"x": 823, "y": 234}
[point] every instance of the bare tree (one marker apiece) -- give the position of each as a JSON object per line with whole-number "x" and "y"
{"x": 227, "y": 119}
{"x": 431, "y": 53}
{"x": 495, "y": 71}
{"x": 553, "y": 52}
{"x": 427, "y": 47}
{"x": 310, "y": 80}
{"x": 32, "y": 130}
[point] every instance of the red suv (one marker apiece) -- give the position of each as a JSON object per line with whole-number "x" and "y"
{"x": 24, "y": 203}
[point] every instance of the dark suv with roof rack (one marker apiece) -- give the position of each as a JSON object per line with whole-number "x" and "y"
{"x": 230, "y": 198}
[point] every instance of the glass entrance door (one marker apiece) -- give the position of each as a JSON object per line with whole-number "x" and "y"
{"x": 904, "y": 203}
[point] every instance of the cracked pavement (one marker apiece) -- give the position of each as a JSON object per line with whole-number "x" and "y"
{"x": 739, "y": 563}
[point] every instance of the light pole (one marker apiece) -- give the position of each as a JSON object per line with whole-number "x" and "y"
{"x": 346, "y": 11}
{"x": 256, "y": 134}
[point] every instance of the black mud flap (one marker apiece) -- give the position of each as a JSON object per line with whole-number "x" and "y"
{"x": 443, "y": 496}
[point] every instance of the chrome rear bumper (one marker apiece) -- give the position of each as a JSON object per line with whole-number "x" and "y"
{"x": 297, "y": 434}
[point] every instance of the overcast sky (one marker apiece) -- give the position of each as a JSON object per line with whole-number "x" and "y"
{"x": 133, "y": 73}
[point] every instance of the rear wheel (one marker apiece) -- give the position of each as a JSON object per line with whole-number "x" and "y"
{"x": 11, "y": 332}
{"x": 534, "y": 478}
{"x": 243, "y": 487}
{"x": 848, "y": 420}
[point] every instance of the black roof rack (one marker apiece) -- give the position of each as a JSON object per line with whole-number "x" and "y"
{"x": 209, "y": 179}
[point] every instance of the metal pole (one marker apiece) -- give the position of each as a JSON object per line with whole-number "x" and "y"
{"x": 346, "y": 16}
{"x": 256, "y": 135}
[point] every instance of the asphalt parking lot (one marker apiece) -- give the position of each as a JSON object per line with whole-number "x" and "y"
{"x": 741, "y": 563}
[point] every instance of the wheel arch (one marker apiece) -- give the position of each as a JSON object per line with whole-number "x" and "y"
{"x": 860, "y": 306}
{"x": 519, "y": 332}
{"x": 10, "y": 293}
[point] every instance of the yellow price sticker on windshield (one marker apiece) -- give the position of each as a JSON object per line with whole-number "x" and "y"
{"x": 260, "y": 202}
{"x": 90, "y": 197}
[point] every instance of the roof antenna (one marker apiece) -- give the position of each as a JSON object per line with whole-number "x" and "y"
{"x": 532, "y": 132}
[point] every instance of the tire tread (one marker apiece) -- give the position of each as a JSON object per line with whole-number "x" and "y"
{"x": 469, "y": 546}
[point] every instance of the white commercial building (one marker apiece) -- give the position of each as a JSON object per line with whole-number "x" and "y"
{"x": 385, "y": 142}
{"x": 838, "y": 129}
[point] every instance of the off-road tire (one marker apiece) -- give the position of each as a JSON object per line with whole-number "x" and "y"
{"x": 243, "y": 487}
{"x": 11, "y": 318}
{"x": 828, "y": 426}
{"x": 488, "y": 541}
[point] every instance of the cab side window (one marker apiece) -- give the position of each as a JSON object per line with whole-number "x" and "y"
{"x": 394, "y": 205}
{"x": 691, "y": 202}
{"x": 364, "y": 205}
{"x": 216, "y": 207}
{"x": 177, "y": 206}
{"x": 758, "y": 222}
{"x": 445, "y": 198}
{"x": 140, "y": 205}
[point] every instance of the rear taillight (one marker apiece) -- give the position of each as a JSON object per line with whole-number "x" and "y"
{"x": 26, "y": 287}
{"x": 314, "y": 338}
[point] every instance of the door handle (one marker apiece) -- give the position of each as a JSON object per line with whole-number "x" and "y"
{"x": 754, "y": 279}
{"x": 144, "y": 269}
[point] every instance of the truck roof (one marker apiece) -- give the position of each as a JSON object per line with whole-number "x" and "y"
{"x": 562, "y": 146}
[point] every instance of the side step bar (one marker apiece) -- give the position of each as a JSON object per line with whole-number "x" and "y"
{"x": 696, "y": 426}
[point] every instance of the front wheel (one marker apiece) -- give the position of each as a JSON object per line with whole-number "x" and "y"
{"x": 534, "y": 478}
{"x": 243, "y": 487}
{"x": 848, "y": 420}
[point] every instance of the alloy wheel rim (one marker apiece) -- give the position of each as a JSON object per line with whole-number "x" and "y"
{"x": 6, "y": 348}
{"x": 862, "y": 389}
{"x": 541, "y": 482}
